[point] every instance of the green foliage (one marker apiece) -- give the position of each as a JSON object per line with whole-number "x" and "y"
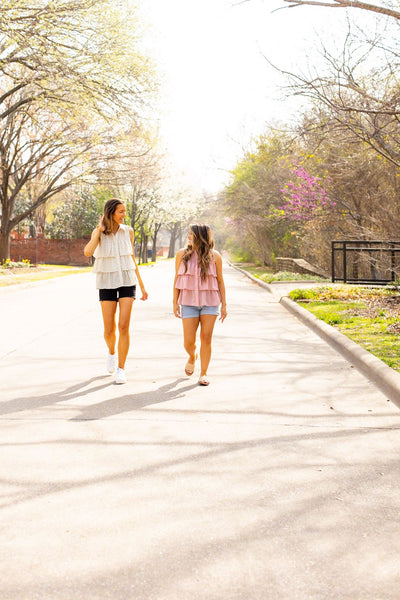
{"x": 13, "y": 264}
{"x": 289, "y": 276}
{"x": 73, "y": 84}
{"x": 363, "y": 314}
{"x": 253, "y": 198}
{"x": 304, "y": 294}
{"x": 75, "y": 218}
{"x": 330, "y": 311}
{"x": 238, "y": 255}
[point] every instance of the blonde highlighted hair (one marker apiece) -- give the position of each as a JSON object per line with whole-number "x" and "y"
{"x": 109, "y": 209}
{"x": 203, "y": 244}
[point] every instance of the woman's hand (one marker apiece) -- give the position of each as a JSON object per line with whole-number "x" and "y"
{"x": 177, "y": 310}
{"x": 101, "y": 227}
{"x": 144, "y": 295}
{"x": 94, "y": 241}
{"x": 224, "y": 313}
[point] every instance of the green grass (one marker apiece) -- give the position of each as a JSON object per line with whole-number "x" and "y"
{"x": 270, "y": 276}
{"x": 332, "y": 311}
{"x": 289, "y": 276}
{"x": 346, "y": 309}
{"x": 9, "y": 276}
{"x": 12, "y": 276}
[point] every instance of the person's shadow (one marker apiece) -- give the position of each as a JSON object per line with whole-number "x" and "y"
{"x": 74, "y": 391}
{"x": 129, "y": 402}
{"x": 100, "y": 410}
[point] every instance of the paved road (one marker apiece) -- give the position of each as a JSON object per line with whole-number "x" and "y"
{"x": 278, "y": 481}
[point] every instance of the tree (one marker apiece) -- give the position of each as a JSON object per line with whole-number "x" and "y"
{"x": 181, "y": 206}
{"x": 362, "y": 186}
{"x": 375, "y": 8}
{"x": 75, "y": 217}
{"x": 71, "y": 83}
{"x": 383, "y": 9}
{"x": 71, "y": 52}
{"x": 305, "y": 196}
{"x": 253, "y": 199}
{"x": 136, "y": 172}
{"x": 357, "y": 97}
{"x": 346, "y": 148}
{"x": 41, "y": 153}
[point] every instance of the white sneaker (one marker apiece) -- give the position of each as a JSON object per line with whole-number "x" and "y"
{"x": 111, "y": 362}
{"x": 120, "y": 376}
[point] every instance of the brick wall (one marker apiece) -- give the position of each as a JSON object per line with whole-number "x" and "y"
{"x": 53, "y": 252}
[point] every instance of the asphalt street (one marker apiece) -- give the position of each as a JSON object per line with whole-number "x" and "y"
{"x": 278, "y": 481}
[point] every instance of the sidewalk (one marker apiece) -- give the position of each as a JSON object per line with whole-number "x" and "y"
{"x": 278, "y": 481}
{"x": 376, "y": 371}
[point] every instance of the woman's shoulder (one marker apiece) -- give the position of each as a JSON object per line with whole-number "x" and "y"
{"x": 128, "y": 232}
{"x": 216, "y": 255}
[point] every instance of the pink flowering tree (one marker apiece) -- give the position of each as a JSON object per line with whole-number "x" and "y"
{"x": 305, "y": 197}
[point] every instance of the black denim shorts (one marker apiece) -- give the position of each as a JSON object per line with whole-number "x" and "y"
{"x": 113, "y": 295}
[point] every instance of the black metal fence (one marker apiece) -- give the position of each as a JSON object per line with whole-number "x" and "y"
{"x": 358, "y": 261}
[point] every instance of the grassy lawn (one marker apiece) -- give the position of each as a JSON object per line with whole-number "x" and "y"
{"x": 12, "y": 276}
{"x": 368, "y": 316}
{"x": 270, "y": 276}
{"x": 22, "y": 274}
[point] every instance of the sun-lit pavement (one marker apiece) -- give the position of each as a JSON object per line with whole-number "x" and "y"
{"x": 278, "y": 481}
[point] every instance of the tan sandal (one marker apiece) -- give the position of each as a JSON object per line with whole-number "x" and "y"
{"x": 189, "y": 367}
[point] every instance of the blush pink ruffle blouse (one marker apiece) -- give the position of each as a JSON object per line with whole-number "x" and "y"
{"x": 195, "y": 291}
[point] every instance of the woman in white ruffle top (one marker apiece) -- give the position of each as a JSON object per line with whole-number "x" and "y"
{"x": 117, "y": 273}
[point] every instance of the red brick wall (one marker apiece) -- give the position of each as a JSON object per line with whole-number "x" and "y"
{"x": 52, "y": 252}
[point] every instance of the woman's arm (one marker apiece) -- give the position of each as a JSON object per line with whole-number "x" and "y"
{"x": 140, "y": 281}
{"x": 94, "y": 241}
{"x": 177, "y": 308}
{"x": 221, "y": 285}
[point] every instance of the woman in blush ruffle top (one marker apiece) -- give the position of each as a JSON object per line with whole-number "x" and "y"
{"x": 116, "y": 277}
{"x": 199, "y": 295}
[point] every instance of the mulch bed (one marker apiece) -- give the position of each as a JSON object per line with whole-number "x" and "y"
{"x": 380, "y": 306}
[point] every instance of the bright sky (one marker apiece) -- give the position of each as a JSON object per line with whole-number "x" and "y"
{"x": 218, "y": 90}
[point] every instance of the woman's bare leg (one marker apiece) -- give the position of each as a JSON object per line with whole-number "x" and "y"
{"x": 125, "y": 309}
{"x": 207, "y": 323}
{"x": 189, "y": 336}
{"x": 108, "y": 309}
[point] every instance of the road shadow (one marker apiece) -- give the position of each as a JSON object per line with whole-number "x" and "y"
{"x": 75, "y": 391}
{"x": 132, "y": 401}
{"x": 100, "y": 410}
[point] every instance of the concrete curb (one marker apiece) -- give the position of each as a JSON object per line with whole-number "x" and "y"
{"x": 261, "y": 283}
{"x": 269, "y": 286}
{"x": 385, "y": 378}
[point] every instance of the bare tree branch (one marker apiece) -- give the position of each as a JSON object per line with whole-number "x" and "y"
{"x": 347, "y": 4}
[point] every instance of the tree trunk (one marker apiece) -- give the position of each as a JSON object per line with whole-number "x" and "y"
{"x": 143, "y": 246}
{"x": 140, "y": 248}
{"x": 157, "y": 228}
{"x": 154, "y": 247}
{"x": 4, "y": 245}
{"x": 172, "y": 241}
{"x": 144, "y": 249}
{"x": 40, "y": 220}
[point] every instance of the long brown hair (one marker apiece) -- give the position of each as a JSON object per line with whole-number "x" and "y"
{"x": 109, "y": 209}
{"x": 203, "y": 244}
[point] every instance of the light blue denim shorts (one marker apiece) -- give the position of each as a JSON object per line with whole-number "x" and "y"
{"x": 188, "y": 312}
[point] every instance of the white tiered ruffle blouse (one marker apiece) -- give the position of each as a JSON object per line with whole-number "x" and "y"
{"x": 195, "y": 291}
{"x": 114, "y": 266}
